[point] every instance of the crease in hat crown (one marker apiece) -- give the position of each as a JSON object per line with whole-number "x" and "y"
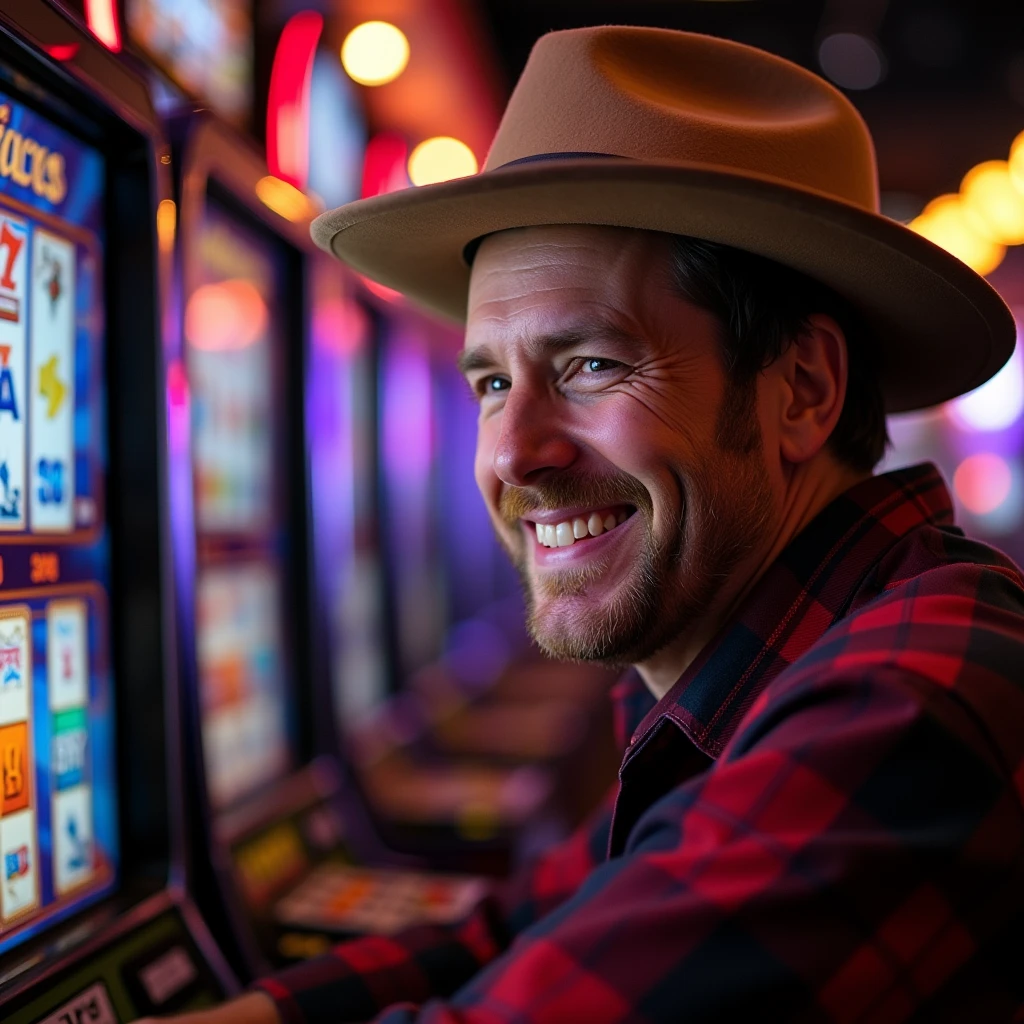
{"x": 656, "y": 95}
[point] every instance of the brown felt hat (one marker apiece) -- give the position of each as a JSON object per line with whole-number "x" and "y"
{"x": 688, "y": 134}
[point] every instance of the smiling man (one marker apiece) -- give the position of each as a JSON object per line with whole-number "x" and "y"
{"x": 685, "y": 321}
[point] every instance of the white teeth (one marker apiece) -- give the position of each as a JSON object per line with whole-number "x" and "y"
{"x": 564, "y": 535}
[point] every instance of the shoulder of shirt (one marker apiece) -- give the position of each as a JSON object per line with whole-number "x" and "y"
{"x": 940, "y": 619}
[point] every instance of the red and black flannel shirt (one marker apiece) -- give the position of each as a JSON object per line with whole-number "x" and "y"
{"x": 821, "y": 821}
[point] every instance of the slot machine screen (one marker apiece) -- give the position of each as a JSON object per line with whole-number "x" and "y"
{"x": 204, "y": 45}
{"x": 58, "y": 806}
{"x": 235, "y": 333}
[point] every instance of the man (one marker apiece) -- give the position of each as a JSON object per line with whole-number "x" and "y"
{"x": 685, "y": 321}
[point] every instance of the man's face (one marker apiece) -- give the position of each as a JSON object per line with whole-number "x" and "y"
{"x": 623, "y": 474}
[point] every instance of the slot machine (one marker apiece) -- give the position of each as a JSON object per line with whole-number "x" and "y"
{"x": 96, "y": 922}
{"x": 504, "y": 734}
{"x": 281, "y": 828}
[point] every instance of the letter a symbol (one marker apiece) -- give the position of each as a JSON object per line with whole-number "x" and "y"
{"x": 8, "y": 401}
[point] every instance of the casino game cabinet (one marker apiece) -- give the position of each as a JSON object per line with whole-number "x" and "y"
{"x": 95, "y": 919}
{"x": 279, "y": 820}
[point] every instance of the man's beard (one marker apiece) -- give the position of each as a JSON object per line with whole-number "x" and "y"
{"x": 727, "y": 511}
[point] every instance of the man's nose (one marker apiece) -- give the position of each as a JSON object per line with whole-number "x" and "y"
{"x": 532, "y": 441}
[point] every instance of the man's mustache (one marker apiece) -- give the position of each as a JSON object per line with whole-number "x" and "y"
{"x": 574, "y": 491}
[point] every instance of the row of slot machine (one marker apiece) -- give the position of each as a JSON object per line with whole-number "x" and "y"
{"x": 193, "y": 595}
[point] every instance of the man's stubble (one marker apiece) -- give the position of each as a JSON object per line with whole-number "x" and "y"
{"x": 727, "y": 512}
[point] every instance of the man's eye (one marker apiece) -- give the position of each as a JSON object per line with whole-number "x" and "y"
{"x": 597, "y": 365}
{"x": 494, "y": 385}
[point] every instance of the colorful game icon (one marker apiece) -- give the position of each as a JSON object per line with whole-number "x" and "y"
{"x": 19, "y": 864}
{"x": 69, "y": 748}
{"x": 51, "y": 460}
{"x": 14, "y": 411}
{"x": 73, "y": 851}
{"x": 15, "y": 768}
{"x": 67, "y": 662}
{"x": 15, "y": 663}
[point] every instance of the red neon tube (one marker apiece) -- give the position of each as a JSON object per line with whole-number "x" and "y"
{"x": 288, "y": 99}
{"x": 104, "y": 24}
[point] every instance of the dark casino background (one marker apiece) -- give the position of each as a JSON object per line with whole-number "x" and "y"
{"x": 264, "y": 680}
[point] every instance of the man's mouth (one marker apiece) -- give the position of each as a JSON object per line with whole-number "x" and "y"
{"x": 562, "y": 529}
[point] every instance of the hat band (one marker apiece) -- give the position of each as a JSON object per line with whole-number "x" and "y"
{"x": 469, "y": 252}
{"x": 543, "y": 157}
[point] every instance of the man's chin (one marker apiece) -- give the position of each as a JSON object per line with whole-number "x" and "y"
{"x": 570, "y": 622}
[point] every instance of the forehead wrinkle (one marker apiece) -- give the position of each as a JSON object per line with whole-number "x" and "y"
{"x": 536, "y": 293}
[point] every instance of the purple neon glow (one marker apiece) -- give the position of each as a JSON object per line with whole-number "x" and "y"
{"x": 408, "y": 435}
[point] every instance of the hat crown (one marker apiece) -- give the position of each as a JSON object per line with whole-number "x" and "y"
{"x": 657, "y": 95}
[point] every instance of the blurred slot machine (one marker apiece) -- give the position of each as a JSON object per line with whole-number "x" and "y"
{"x": 390, "y": 624}
{"x": 283, "y": 830}
{"x": 96, "y": 922}
{"x": 477, "y": 719}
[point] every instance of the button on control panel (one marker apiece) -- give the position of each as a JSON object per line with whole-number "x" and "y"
{"x": 91, "y": 1006}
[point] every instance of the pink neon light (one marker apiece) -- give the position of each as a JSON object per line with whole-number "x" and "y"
{"x": 63, "y": 51}
{"x": 983, "y": 482}
{"x": 384, "y": 165}
{"x": 288, "y": 98}
{"x": 104, "y": 24}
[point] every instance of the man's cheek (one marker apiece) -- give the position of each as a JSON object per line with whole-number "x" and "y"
{"x": 487, "y": 480}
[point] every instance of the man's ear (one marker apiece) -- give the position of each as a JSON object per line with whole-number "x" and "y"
{"x": 815, "y": 369}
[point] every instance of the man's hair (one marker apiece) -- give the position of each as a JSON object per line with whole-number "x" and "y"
{"x": 762, "y": 307}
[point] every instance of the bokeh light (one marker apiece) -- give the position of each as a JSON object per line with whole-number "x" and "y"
{"x": 166, "y": 222}
{"x": 945, "y": 222}
{"x": 994, "y": 203}
{"x": 441, "y": 159}
{"x": 340, "y": 326}
{"x": 1017, "y": 161}
{"x": 225, "y": 316}
{"x": 285, "y": 200}
{"x": 104, "y": 24}
{"x": 997, "y": 404}
{"x": 982, "y": 482}
{"x": 385, "y": 165}
{"x": 852, "y": 61}
{"x": 375, "y": 53}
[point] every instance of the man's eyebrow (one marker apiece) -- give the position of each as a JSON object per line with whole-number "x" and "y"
{"x": 482, "y": 358}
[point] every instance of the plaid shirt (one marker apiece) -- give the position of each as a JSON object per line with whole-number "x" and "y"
{"x": 821, "y": 821}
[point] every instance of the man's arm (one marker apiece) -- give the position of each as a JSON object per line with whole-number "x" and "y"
{"x": 251, "y": 1008}
{"x": 360, "y": 978}
{"x": 856, "y": 854}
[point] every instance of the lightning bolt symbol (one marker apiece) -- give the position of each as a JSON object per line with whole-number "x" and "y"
{"x": 51, "y": 387}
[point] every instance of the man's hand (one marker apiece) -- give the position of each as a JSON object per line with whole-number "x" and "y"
{"x": 252, "y": 1008}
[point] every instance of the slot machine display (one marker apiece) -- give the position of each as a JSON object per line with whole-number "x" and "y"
{"x": 282, "y": 831}
{"x": 94, "y": 924}
{"x": 479, "y": 774}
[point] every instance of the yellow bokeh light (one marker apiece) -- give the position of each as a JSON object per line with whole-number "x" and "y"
{"x": 440, "y": 159}
{"x": 993, "y": 202}
{"x": 945, "y": 222}
{"x": 1017, "y": 161}
{"x": 375, "y": 53}
{"x": 285, "y": 200}
{"x": 166, "y": 222}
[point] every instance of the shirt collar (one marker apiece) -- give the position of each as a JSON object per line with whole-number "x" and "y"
{"x": 804, "y": 591}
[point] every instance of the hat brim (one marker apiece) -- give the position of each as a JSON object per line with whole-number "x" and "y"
{"x": 940, "y": 328}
